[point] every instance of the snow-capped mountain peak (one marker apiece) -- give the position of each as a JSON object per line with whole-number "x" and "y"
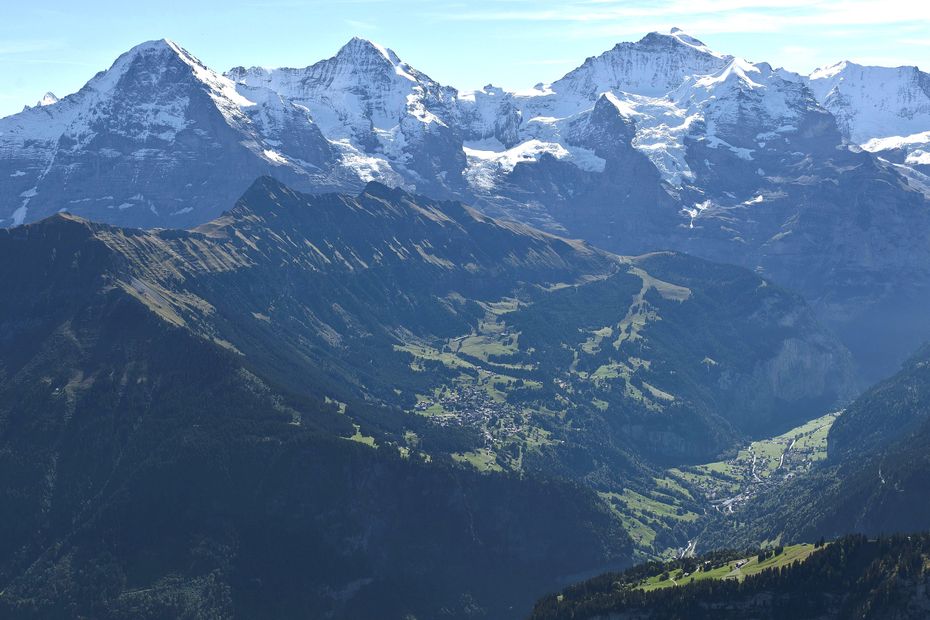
{"x": 748, "y": 106}
{"x": 161, "y": 53}
{"x": 158, "y": 53}
{"x": 156, "y": 116}
{"x": 874, "y": 102}
{"x": 652, "y": 66}
{"x": 707, "y": 123}
{"x": 364, "y": 83}
{"x": 368, "y": 55}
{"x": 739, "y": 71}
{"x": 829, "y": 71}
{"x": 370, "y": 104}
{"x": 685, "y": 38}
{"x": 372, "y": 72}
{"x": 48, "y": 99}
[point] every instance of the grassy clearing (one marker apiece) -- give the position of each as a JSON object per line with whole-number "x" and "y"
{"x": 643, "y": 516}
{"x": 501, "y": 307}
{"x": 642, "y": 535}
{"x": 483, "y": 346}
{"x": 592, "y": 345}
{"x": 482, "y": 460}
{"x": 667, "y": 290}
{"x": 657, "y": 393}
{"x": 424, "y": 352}
{"x": 670, "y": 486}
{"x": 799, "y": 448}
{"x": 703, "y": 478}
{"x": 615, "y": 371}
{"x": 340, "y": 406}
{"x": 734, "y": 569}
{"x": 360, "y": 438}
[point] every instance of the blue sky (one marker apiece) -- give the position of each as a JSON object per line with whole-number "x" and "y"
{"x": 58, "y": 45}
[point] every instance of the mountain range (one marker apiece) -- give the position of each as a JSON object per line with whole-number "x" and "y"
{"x": 261, "y": 388}
{"x": 813, "y": 181}
{"x": 344, "y": 341}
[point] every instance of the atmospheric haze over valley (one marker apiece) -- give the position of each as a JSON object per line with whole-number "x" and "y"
{"x": 341, "y": 341}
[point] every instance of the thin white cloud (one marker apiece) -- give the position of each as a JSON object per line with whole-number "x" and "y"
{"x": 547, "y": 62}
{"x": 862, "y": 28}
{"x": 45, "y": 61}
{"x": 717, "y": 16}
{"x": 29, "y": 46}
{"x": 360, "y": 25}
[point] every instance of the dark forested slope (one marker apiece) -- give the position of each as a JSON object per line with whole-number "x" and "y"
{"x": 851, "y": 578}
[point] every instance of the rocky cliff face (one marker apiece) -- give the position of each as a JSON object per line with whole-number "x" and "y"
{"x": 874, "y": 102}
{"x": 886, "y": 110}
{"x": 156, "y": 140}
{"x": 389, "y": 121}
{"x": 652, "y": 67}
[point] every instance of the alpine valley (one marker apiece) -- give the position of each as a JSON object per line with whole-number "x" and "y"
{"x": 816, "y": 182}
{"x": 343, "y": 342}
